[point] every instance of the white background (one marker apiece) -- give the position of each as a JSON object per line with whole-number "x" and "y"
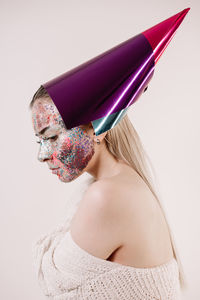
{"x": 43, "y": 39}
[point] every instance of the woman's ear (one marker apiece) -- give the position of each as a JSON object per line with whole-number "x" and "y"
{"x": 101, "y": 136}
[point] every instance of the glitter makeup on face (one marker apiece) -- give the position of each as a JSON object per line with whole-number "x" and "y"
{"x": 68, "y": 150}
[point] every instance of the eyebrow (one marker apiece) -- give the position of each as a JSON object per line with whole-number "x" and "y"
{"x": 42, "y": 131}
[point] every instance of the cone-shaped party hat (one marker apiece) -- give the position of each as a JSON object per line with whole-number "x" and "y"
{"x": 102, "y": 89}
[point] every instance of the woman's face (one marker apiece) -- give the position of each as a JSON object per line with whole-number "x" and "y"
{"x": 69, "y": 151}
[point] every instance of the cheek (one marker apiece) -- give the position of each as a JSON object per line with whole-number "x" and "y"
{"x": 83, "y": 153}
{"x": 76, "y": 151}
{"x": 61, "y": 151}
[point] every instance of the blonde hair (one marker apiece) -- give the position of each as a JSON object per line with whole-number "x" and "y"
{"x": 123, "y": 142}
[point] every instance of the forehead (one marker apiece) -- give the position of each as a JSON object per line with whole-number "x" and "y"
{"x": 44, "y": 113}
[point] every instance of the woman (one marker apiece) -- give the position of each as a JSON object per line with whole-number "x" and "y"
{"x": 118, "y": 244}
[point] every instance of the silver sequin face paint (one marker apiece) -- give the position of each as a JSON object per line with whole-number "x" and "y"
{"x": 67, "y": 150}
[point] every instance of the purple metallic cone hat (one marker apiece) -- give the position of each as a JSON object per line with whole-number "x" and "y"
{"x": 102, "y": 89}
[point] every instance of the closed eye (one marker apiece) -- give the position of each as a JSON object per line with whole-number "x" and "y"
{"x": 53, "y": 138}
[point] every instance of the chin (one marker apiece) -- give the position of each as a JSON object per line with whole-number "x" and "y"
{"x": 68, "y": 179}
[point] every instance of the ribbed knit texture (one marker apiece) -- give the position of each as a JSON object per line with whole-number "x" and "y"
{"x": 66, "y": 271}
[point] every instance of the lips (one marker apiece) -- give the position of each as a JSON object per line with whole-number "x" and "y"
{"x": 53, "y": 168}
{"x": 55, "y": 171}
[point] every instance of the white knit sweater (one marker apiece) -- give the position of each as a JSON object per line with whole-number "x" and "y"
{"x": 66, "y": 271}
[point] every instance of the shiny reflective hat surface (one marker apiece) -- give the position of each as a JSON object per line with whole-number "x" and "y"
{"x": 102, "y": 89}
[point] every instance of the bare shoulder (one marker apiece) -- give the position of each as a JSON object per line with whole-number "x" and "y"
{"x": 114, "y": 202}
{"x": 97, "y": 226}
{"x": 119, "y": 219}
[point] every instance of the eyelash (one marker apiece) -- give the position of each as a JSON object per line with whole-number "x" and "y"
{"x": 50, "y": 138}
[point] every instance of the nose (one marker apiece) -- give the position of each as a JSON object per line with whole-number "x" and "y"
{"x": 45, "y": 152}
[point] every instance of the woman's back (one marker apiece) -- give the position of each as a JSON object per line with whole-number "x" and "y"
{"x": 146, "y": 241}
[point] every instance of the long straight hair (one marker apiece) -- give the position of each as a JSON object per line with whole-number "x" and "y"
{"x": 123, "y": 142}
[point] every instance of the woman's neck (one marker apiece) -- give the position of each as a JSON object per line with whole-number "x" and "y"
{"x": 103, "y": 164}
